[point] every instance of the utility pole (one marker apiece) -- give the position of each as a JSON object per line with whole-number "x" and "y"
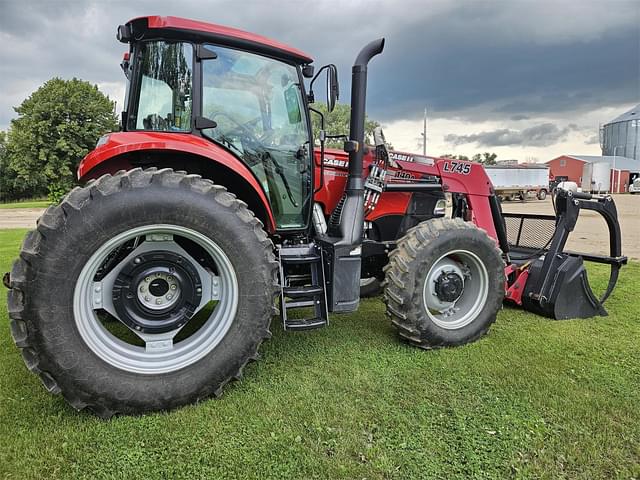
{"x": 424, "y": 133}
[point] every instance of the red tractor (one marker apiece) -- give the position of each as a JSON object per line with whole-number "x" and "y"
{"x": 154, "y": 284}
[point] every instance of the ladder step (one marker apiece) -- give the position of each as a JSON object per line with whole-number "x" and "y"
{"x": 301, "y": 303}
{"x": 305, "y": 324}
{"x": 304, "y": 291}
{"x": 297, "y": 259}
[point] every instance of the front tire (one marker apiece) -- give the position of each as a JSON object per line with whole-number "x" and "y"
{"x": 204, "y": 235}
{"x": 370, "y": 287}
{"x": 444, "y": 284}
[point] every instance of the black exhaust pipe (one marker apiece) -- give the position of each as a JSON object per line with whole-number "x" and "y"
{"x": 349, "y": 220}
{"x": 342, "y": 245}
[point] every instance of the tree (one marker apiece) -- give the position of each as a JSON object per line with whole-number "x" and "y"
{"x": 455, "y": 157}
{"x": 337, "y": 123}
{"x": 485, "y": 158}
{"x": 489, "y": 158}
{"x": 56, "y": 127}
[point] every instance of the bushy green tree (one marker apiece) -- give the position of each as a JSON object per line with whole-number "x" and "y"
{"x": 485, "y": 158}
{"x": 455, "y": 157}
{"x": 337, "y": 123}
{"x": 56, "y": 126}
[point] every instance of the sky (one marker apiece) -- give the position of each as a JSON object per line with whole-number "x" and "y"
{"x": 528, "y": 80}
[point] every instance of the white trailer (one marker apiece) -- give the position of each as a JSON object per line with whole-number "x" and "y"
{"x": 596, "y": 177}
{"x": 518, "y": 181}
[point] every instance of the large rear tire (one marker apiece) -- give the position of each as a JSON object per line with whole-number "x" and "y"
{"x": 444, "y": 283}
{"x": 195, "y": 248}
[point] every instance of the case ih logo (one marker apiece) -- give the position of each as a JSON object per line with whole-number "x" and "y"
{"x": 403, "y": 157}
{"x": 334, "y": 162}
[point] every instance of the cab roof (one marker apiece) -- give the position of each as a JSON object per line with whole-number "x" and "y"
{"x": 183, "y": 28}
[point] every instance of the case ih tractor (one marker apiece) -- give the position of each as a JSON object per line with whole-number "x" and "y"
{"x": 154, "y": 284}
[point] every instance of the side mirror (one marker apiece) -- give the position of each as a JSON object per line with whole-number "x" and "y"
{"x": 333, "y": 90}
{"x": 332, "y": 87}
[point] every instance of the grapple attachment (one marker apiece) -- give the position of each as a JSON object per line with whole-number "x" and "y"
{"x": 551, "y": 281}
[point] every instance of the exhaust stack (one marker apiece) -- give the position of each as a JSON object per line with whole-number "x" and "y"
{"x": 343, "y": 242}
{"x": 348, "y": 224}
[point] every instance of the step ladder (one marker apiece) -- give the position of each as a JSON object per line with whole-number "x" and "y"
{"x": 302, "y": 285}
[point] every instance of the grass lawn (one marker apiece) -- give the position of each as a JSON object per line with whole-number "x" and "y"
{"x": 26, "y": 204}
{"x": 536, "y": 398}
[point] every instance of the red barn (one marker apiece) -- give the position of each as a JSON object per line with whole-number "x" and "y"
{"x": 572, "y": 168}
{"x": 567, "y": 167}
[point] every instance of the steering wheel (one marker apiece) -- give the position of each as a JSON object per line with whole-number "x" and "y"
{"x": 242, "y": 127}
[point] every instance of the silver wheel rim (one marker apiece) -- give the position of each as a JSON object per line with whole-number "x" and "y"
{"x": 163, "y": 356}
{"x": 464, "y": 310}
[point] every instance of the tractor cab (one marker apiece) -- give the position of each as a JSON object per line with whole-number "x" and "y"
{"x": 242, "y": 92}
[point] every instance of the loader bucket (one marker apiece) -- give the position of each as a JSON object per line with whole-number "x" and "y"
{"x": 557, "y": 284}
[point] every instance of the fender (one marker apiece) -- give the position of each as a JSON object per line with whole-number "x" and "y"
{"x": 118, "y": 144}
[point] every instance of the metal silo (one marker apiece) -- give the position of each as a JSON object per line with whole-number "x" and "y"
{"x": 621, "y": 136}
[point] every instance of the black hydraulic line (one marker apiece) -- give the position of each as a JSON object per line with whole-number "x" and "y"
{"x": 499, "y": 224}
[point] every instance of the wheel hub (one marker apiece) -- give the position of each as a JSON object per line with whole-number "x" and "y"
{"x": 157, "y": 292}
{"x": 449, "y": 286}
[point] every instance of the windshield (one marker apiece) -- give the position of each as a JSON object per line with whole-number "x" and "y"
{"x": 257, "y": 105}
{"x": 164, "y": 101}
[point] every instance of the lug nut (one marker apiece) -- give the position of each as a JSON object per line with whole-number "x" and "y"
{"x": 147, "y": 279}
{"x": 142, "y": 289}
{"x": 147, "y": 298}
{"x": 169, "y": 297}
{"x": 173, "y": 287}
{"x": 158, "y": 301}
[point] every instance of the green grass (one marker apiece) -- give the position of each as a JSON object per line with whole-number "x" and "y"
{"x": 536, "y": 398}
{"x": 26, "y": 204}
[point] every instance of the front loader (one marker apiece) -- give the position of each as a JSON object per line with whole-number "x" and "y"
{"x": 154, "y": 284}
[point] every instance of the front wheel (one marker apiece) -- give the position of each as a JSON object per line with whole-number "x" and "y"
{"x": 370, "y": 287}
{"x": 444, "y": 283}
{"x": 542, "y": 194}
{"x": 144, "y": 291}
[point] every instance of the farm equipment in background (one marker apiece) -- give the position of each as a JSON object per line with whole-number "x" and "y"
{"x": 512, "y": 182}
{"x": 154, "y": 284}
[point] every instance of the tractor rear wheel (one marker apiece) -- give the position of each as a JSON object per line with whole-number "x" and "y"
{"x": 143, "y": 291}
{"x": 444, "y": 283}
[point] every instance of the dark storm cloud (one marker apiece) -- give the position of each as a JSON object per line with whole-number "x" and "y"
{"x": 469, "y": 60}
{"x": 542, "y": 135}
